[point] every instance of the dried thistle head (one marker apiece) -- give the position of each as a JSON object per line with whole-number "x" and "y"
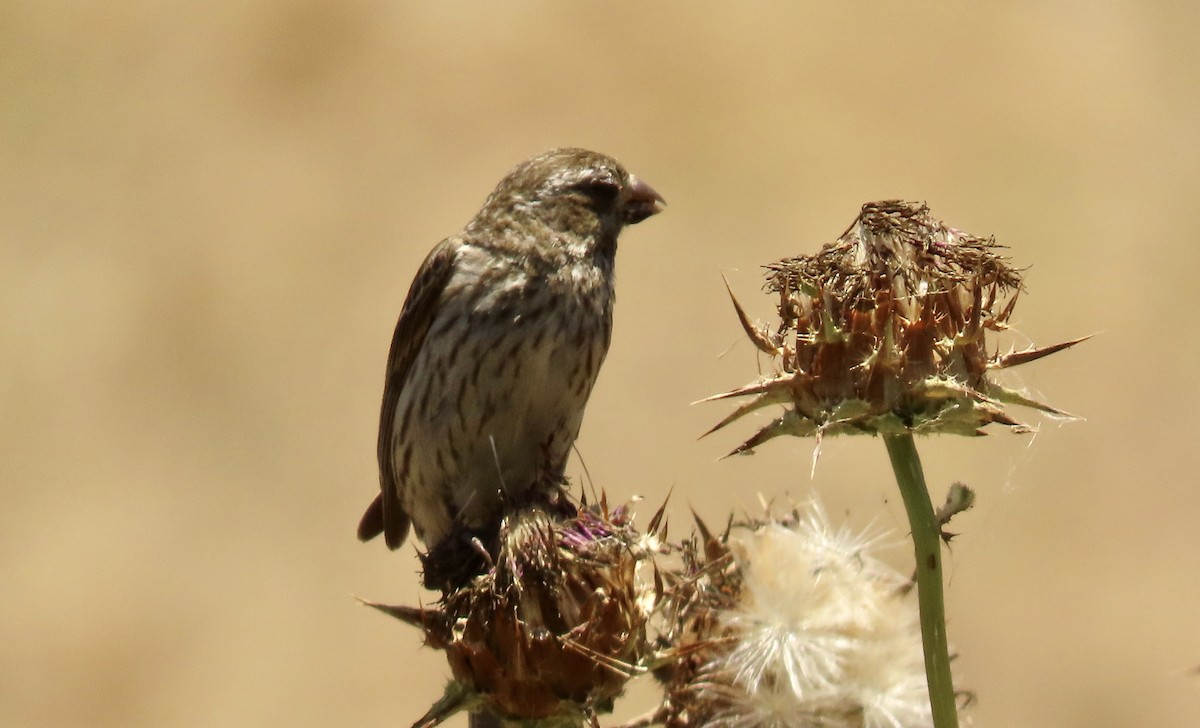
{"x": 551, "y": 633}
{"x": 790, "y": 622}
{"x": 885, "y": 330}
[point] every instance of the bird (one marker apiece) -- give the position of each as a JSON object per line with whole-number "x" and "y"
{"x": 497, "y": 347}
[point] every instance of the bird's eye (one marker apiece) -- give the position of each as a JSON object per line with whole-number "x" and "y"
{"x": 602, "y": 190}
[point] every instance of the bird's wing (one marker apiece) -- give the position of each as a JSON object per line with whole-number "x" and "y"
{"x": 386, "y": 514}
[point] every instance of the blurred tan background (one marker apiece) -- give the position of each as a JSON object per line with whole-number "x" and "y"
{"x": 210, "y": 214}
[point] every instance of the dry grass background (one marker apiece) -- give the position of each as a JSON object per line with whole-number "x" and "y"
{"x": 210, "y": 213}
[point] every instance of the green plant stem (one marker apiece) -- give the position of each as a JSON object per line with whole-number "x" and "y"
{"x": 927, "y": 542}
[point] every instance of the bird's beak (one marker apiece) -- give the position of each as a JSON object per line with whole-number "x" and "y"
{"x": 641, "y": 201}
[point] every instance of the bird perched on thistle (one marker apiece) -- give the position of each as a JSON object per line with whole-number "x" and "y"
{"x": 497, "y": 348}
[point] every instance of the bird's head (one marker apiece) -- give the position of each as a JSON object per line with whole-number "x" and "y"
{"x": 577, "y": 193}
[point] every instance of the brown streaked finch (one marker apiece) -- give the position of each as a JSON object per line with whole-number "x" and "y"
{"x": 497, "y": 348}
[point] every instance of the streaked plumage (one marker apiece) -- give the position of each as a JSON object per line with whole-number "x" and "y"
{"x": 498, "y": 346}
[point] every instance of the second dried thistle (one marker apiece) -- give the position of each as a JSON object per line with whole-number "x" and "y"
{"x": 884, "y": 331}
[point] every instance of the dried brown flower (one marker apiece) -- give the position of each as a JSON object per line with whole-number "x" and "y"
{"x": 884, "y": 331}
{"x": 554, "y": 630}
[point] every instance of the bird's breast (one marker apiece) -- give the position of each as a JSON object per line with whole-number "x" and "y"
{"x": 496, "y": 395}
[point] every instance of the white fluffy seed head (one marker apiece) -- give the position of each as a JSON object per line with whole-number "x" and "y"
{"x": 819, "y": 634}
